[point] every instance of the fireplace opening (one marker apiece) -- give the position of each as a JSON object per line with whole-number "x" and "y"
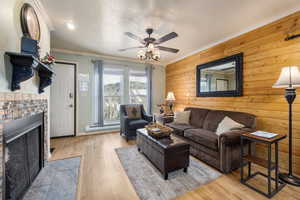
{"x": 24, "y": 154}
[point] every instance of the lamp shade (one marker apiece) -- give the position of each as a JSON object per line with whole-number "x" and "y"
{"x": 289, "y": 78}
{"x": 170, "y": 96}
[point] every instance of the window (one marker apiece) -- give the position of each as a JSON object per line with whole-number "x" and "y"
{"x": 112, "y": 95}
{"x": 116, "y": 84}
{"x": 138, "y": 88}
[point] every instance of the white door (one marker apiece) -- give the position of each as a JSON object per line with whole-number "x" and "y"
{"x": 62, "y": 100}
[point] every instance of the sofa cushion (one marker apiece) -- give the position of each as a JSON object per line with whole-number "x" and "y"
{"x": 243, "y": 118}
{"x": 136, "y": 124}
{"x": 212, "y": 120}
{"x": 179, "y": 128}
{"x": 182, "y": 117}
{"x": 204, "y": 137}
{"x": 227, "y": 124}
{"x": 197, "y": 116}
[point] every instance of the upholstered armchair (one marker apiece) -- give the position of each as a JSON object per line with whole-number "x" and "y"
{"x": 128, "y": 126}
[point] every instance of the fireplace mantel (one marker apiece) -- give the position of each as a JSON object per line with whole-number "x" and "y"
{"x": 23, "y": 66}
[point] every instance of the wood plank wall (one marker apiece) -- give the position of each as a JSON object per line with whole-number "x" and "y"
{"x": 265, "y": 53}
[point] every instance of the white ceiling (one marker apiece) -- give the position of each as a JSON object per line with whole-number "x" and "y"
{"x": 100, "y": 24}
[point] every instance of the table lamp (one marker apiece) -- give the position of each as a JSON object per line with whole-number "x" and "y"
{"x": 289, "y": 79}
{"x": 170, "y": 99}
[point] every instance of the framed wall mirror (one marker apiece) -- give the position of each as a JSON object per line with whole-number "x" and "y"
{"x": 221, "y": 78}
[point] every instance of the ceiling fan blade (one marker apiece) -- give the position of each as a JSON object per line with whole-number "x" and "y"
{"x": 131, "y": 48}
{"x": 168, "y": 49}
{"x": 135, "y": 37}
{"x": 166, "y": 38}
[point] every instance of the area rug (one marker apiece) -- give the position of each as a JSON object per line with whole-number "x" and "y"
{"x": 57, "y": 180}
{"x": 149, "y": 183}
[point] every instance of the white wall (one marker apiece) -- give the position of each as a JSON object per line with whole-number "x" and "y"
{"x": 158, "y": 87}
{"x": 10, "y": 40}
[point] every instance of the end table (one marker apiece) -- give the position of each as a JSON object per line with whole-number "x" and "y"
{"x": 249, "y": 159}
{"x": 163, "y": 119}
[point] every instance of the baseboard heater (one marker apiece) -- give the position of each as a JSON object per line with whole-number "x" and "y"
{"x": 104, "y": 128}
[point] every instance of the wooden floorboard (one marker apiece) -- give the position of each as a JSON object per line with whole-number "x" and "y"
{"x": 103, "y": 178}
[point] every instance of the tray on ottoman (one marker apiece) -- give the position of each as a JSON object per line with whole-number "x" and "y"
{"x": 158, "y": 131}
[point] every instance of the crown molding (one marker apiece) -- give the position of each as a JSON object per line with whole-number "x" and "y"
{"x": 41, "y": 9}
{"x": 259, "y": 25}
{"x": 108, "y": 57}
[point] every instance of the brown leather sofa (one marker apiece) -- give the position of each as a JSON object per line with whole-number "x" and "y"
{"x": 221, "y": 152}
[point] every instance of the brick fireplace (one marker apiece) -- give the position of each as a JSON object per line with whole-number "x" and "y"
{"x": 14, "y": 106}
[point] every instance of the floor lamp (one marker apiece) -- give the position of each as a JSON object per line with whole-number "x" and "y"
{"x": 289, "y": 79}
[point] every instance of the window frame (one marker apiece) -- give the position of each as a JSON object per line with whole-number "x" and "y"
{"x": 126, "y": 72}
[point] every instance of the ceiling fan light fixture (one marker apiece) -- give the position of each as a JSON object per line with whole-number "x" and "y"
{"x": 156, "y": 57}
{"x": 156, "y": 54}
{"x": 151, "y": 50}
{"x": 141, "y": 55}
{"x": 150, "y": 47}
{"x": 149, "y": 55}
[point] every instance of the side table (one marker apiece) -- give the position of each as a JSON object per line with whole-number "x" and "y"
{"x": 249, "y": 159}
{"x": 163, "y": 119}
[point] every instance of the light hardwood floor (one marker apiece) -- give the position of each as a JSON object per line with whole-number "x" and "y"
{"x": 103, "y": 178}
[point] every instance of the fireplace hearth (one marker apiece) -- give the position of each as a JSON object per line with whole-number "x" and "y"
{"x": 24, "y": 154}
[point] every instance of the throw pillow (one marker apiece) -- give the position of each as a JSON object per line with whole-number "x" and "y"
{"x": 134, "y": 112}
{"x": 182, "y": 117}
{"x": 228, "y": 124}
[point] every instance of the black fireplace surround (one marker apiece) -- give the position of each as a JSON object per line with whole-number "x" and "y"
{"x": 24, "y": 154}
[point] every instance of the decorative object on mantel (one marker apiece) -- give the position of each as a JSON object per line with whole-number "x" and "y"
{"x": 170, "y": 99}
{"x": 149, "y": 49}
{"x": 290, "y": 80}
{"x": 30, "y": 22}
{"x": 46, "y": 75}
{"x": 23, "y": 65}
{"x": 48, "y": 59}
{"x": 30, "y": 46}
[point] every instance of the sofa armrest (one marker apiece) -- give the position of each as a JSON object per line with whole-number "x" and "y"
{"x": 233, "y": 137}
{"x": 148, "y": 118}
{"x": 230, "y": 149}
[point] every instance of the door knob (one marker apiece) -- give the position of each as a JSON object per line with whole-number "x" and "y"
{"x": 71, "y": 105}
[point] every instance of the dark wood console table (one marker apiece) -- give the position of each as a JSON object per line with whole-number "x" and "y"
{"x": 249, "y": 159}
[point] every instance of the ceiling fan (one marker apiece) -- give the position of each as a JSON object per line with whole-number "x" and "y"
{"x": 151, "y": 44}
